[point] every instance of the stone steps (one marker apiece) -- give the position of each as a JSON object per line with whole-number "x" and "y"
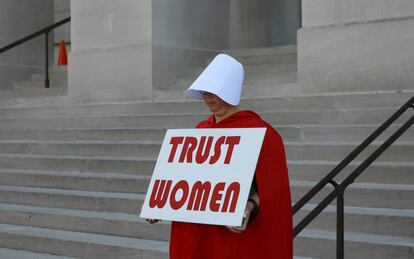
{"x": 83, "y": 181}
{"x": 353, "y": 133}
{"x": 377, "y": 221}
{"x": 285, "y": 118}
{"x": 270, "y": 59}
{"x": 72, "y": 199}
{"x": 40, "y": 83}
{"x": 252, "y": 70}
{"x": 265, "y": 90}
{"x": 144, "y": 166}
{"x": 73, "y": 177}
{"x": 286, "y": 49}
{"x": 57, "y": 75}
{"x": 274, "y": 67}
{"x": 330, "y": 151}
{"x": 378, "y": 172}
{"x": 80, "y": 244}
{"x": 259, "y": 81}
{"x": 293, "y": 103}
{"x": 42, "y": 172}
{"x": 375, "y": 195}
{"x": 97, "y": 134}
{"x": 105, "y": 199}
{"x": 78, "y": 164}
{"x": 87, "y": 245}
{"x": 21, "y": 254}
{"x": 106, "y": 223}
{"x": 21, "y": 98}
{"x": 357, "y": 245}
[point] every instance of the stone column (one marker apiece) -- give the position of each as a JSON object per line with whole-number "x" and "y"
{"x": 284, "y": 21}
{"x": 186, "y": 33}
{"x": 123, "y": 50}
{"x": 111, "y": 58}
{"x": 356, "y": 45}
{"x": 19, "y": 18}
{"x": 249, "y": 23}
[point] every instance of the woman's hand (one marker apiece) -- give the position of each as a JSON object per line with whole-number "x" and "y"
{"x": 246, "y": 217}
{"x": 152, "y": 221}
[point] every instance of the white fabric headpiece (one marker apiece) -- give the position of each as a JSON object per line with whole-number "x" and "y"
{"x": 222, "y": 77}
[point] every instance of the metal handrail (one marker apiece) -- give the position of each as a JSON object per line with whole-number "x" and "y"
{"x": 339, "y": 189}
{"x": 44, "y": 31}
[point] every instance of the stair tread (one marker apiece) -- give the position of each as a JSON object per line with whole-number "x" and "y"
{"x": 408, "y": 213}
{"x": 359, "y": 237}
{"x": 153, "y": 159}
{"x": 366, "y": 210}
{"x": 364, "y": 186}
{"x": 76, "y": 174}
{"x": 52, "y": 191}
{"x": 242, "y": 52}
{"x": 127, "y": 242}
{"x": 119, "y": 216}
{"x": 21, "y": 254}
{"x": 159, "y": 142}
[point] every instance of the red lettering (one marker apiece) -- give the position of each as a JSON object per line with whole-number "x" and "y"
{"x": 203, "y": 146}
{"x": 199, "y": 191}
{"x": 231, "y": 141}
{"x": 199, "y": 197}
{"x": 190, "y": 144}
{"x": 233, "y": 190}
{"x": 216, "y": 196}
{"x": 217, "y": 150}
{"x": 177, "y": 204}
{"x": 175, "y": 141}
{"x": 201, "y": 156}
{"x": 160, "y": 193}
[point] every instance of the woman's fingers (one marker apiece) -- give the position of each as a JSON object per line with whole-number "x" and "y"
{"x": 151, "y": 221}
{"x": 242, "y": 228}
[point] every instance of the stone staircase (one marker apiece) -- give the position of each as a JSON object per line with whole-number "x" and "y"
{"x": 73, "y": 177}
{"x": 269, "y": 72}
{"x": 58, "y": 77}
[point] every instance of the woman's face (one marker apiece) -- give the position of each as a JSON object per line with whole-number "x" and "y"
{"x": 217, "y": 106}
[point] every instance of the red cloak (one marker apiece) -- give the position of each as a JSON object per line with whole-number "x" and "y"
{"x": 270, "y": 234}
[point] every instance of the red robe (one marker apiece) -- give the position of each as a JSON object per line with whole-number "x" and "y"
{"x": 270, "y": 234}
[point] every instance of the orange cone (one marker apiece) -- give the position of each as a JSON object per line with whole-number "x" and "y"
{"x": 63, "y": 57}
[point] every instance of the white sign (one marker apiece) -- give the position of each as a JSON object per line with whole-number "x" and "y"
{"x": 204, "y": 175}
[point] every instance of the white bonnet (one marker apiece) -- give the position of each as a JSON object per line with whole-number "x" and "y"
{"x": 222, "y": 77}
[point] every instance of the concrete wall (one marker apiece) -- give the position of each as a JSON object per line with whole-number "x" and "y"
{"x": 332, "y": 12}
{"x": 356, "y": 45}
{"x": 249, "y": 24}
{"x": 263, "y": 23}
{"x": 111, "y": 58}
{"x": 123, "y": 50}
{"x": 284, "y": 21}
{"x": 184, "y": 34}
{"x": 18, "y": 18}
{"x": 61, "y": 11}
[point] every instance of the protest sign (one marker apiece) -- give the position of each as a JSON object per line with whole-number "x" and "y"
{"x": 204, "y": 175}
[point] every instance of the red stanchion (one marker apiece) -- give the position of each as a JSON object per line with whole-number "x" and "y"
{"x": 63, "y": 57}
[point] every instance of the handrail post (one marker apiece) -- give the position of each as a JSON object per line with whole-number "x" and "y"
{"x": 47, "y": 82}
{"x": 300, "y": 14}
{"x": 340, "y": 229}
{"x": 340, "y": 226}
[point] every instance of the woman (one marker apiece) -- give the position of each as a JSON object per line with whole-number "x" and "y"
{"x": 266, "y": 231}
